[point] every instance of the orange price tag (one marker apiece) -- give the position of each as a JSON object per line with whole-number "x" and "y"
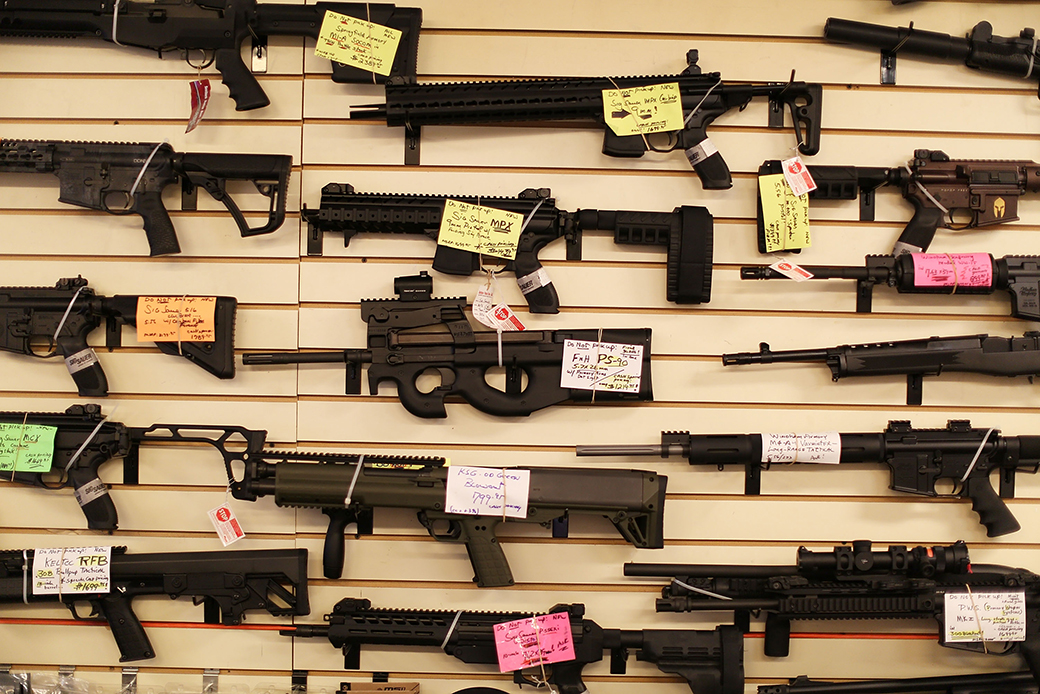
{"x": 176, "y": 318}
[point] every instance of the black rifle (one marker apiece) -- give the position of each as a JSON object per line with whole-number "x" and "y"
{"x": 852, "y": 583}
{"x": 215, "y": 27}
{"x": 633, "y": 500}
{"x": 400, "y": 355}
{"x": 960, "y": 273}
{"x": 686, "y": 233}
{"x": 995, "y": 683}
{"x": 983, "y": 192}
{"x": 917, "y": 458}
{"x": 980, "y": 49}
{"x": 704, "y": 98}
{"x": 711, "y": 662}
{"x": 228, "y": 584}
{"x": 129, "y": 178}
{"x": 993, "y": 356}
{"x": 43, "y": 321}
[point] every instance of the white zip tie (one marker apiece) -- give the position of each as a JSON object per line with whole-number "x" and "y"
{"x": 451, "y": 629}
{"x": 977, "y": 454}
{"x": 25, "y": 575}
{"x": 140, "y": 175}
{"x": 90, "y": 438}
{"x": 353, "y": 481}
{"x": 695, "y": 589}
{"x": 925, "y": 191}
{"x": 115, "y": 22}
{"x": 68, "y": 310}
{"x": 530, "y": 215}
{"x": 1032, "y": 59}
{"x": 701, "y": 102}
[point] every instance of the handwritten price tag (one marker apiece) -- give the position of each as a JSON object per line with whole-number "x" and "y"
{"x": 952, "y": 269}
{"x": 1001, "y": 616}
{"x": 176, "y": 318}
{"x": 656, "y": 108}
{"x": 785, "y": 216}
{"x": 28, "y": 448}
{"x": 535, "y": 640}
{"x": 71, "y": 570}
{"x": 601, "y": 366}
{"x": 355, "y": 42}
{"x": 802, "y": 448}
{"x": 480, "y": 229}
{"x": 481, "y": 491}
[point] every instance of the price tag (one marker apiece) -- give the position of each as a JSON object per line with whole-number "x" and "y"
{"x": 480, "y": 229}
{"x": 355, "y": 42}
{"x": 226, "y": 524}
{"x": 533, "y": 641}
{"x": 176, "y": 318}
{"x": 601, "y": 366}
{"x": 200, "y": 91}
{"x": 797, "y": 175}
{"x": 655, "y": 108}
{"x": 952, "y": 269}
{"x": 497, "y": 316}
{"x": 71, "y": 570}
{"x": 1001, "y": 616}
{"x": 483, "y": 491}
{"x": 26, "y": 448}
{"x": 802, "y": 448}
{"x": 785, "y": 216}
{"x": 791, "y": 270}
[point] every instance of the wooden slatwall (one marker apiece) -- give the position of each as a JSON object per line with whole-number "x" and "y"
{"x": 92, "y": 91}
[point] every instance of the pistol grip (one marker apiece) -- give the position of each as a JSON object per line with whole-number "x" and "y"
{"x": 130, "y": 636}
{"x": 918, "y": 234}
{"x": 714, "y": 173}
{"x": 242, "y": 85}
{"x": 92, "y": 495}
{"x": 83, "y": 366}
{"x": 490, "y": 566}
{"x": 158, "y": 228}
{"x": 543, "y": 297}
{"x": 993, "y": 512}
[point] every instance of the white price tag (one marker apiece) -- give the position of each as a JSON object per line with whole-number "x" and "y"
{"x": 999, "y": 614}
{"x": 483, "y": 491}
{"x": 789, "y": 269}
{"x": 226, "y": 524}
{"x": 71, "y": 570}
{"x": 483, "y": 303}
{"x": 798, "y": 176}
{"x": 802, "y": 448}
{"x": 616, "y": 366}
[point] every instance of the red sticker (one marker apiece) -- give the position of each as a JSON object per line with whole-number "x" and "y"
{"x": 200, "y": 91}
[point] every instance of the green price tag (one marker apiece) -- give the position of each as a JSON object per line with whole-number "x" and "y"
{"x": 26, "y": 447}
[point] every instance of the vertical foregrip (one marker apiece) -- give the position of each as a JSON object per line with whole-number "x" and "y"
{"x": 332, "y": 557}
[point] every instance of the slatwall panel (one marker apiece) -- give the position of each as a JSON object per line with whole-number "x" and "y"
{"x": 79, "y": 90}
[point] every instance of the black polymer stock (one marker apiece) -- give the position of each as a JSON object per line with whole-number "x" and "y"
{"x": 124, "y": 178}
{"x": 686, "y": 233}
{"x": 989, "y": 683}
{"x": 704, "y": 97}
{"x": 400, "y": 354}
{"x": 216, "y": 27}
{"x": 854, "y": 582}
{"x": 227, "y": 584}
{"x": 711, "y": 662}
{"x": 1018, "y": 275}
{"x": 932, "y": 356}
{"x": 32, "y": 316}
{"x": 917, "y": 459}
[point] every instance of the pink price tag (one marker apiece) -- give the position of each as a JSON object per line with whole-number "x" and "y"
{"x": 952, "y": 270}
{"x": 534, "y": 640}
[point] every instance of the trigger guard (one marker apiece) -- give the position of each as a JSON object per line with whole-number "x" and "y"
{"x": 673, "y": 141}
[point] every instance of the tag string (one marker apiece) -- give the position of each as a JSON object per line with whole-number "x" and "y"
{"x": 451, "y": 629}
{"x": 371, "y": 48}
{"x": 977, "y": 454}
{"x": 956, "y": 279}
{"x": 925, "y": 191}
{"x": 505, "y": 487}
{"x": 541, "y": 656}
{"x": 632, "y": 112}
{"x": 140, "y": 175}
{"x": 695, "y": 589}
{"x": 978, "y": 620}
{"x": 89, "y": 438}
{"x": 115, "y": 22}
{"x": 65, "y": 316}
{"x": 21, "y": 444}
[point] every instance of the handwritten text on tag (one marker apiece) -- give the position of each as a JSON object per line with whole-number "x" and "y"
{"x": 355, "y": 42}
{"x": 532, "y": 641}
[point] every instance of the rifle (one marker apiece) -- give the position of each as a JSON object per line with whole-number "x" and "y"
{"x": 952, "y": 194}
{"x": 933, "y": 273}
{"x": 704, "y": 97}
{"x": 129, "y": 177}
{"x": 396, "y": 353}
{"x": 215, "y": 27}
{"x": 228, "y": 584}
{"x": 980, "y": 49}
{"x": 43, "y": 321}
{"x": 990, "y": 683}
{"x": 859, "y": 583}
{"x": 917, "y": 459}
{"x": 711, "y": 662}
{"x": 686, "y": 232}
{"x": 983, "y": 354}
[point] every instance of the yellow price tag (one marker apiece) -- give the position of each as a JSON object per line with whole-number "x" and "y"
{"x": 656, "y": 108}
{"x": 480, "y": 229}
{"x": 176, "y": 318}
{"x": 355, "y": 42}
{"x": 785, "y": 216}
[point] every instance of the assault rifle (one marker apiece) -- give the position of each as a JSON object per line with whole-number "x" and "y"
{"x": 933, "y": 273}
{"x": 860, "y": 583}
{"x": 990, "y": 683}
{"x": 703, "y": 98}
{"x": 398, "y": 354}
{"x": 917, "y": 458}
{"x": 983, "y": 354}
{"x": 711, "y": 662}
{"x": 129, "y": 178}
{"x": 980, "y": 49}
{"x": 43, "y": 321}
{"x": 215, "y": 27}
{"x": 228, "y": 584}
{"x": 686, "y": 233}
{"x": 952, "y": 194}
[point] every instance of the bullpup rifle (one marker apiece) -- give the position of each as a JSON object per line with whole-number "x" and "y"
{"x": 711, "y": 662}
{"x": 686, "y": 233}
{"x": 398, "y": 353}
